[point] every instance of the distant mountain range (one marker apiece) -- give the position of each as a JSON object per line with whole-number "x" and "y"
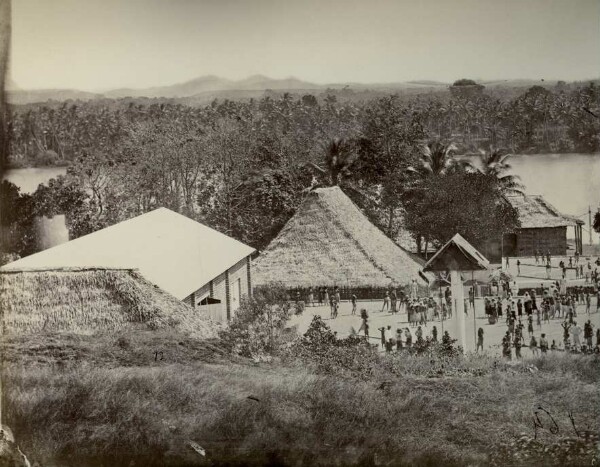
{"x": 206, "y": 88}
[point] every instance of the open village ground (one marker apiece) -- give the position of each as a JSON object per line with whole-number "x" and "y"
{"x": 531, "y": 275}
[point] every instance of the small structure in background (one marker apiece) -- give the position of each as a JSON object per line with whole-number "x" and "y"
{"x": 189, "y": 260}
{"x": 543, "y": 228}
{"x": 457, "y": 256}
{"x": 329, "y": 241}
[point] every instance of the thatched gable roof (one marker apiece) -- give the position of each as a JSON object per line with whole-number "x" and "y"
{"x": 88, "y": 301}
{"x": 330, "y": 241}
{"x": 535, "y": 212}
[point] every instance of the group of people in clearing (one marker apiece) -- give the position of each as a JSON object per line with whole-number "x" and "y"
{"x": 530, "y": 310}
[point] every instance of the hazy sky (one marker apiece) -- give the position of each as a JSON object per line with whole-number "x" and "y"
{"x": 101, "y": 44}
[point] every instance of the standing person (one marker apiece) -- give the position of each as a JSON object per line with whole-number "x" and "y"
{"x": 326, "y": 295}
{"x": 336, "y": 306}
{"x": 598, "y": 301}
{"x": 546, "y": 308}
{"x": 338, "y": 297}
{"x": 530, "y": 325}
{"x": 365, "y": 322}
{"x": 518, "y": 344}
{"x": 566, "y": 327}
{"x": 398, "y": 339}
{"x": 434, "y": 334}
{"x": 543, "y": 344}
{"x": 588, "y": 333}
{"x": 394, "y": 300}
{"x": 419, "y": 335}
{"x": 506, "y": 351}
{"x": 331, "y": 304}
{"x": 353, "y": 299}
{"x": 527, "y": 303}
{"x": 414, "y": 290}
{"x": 311, "y": 297}
{"x": 548, "y": 270}
{"x": 408, "y": 337}
{"x": 479, "y": 339}
{"x": 507, "y": 262}
{"x": 386, "y": 301}
{"x": 576, "y": 332}
{"x": 533, "y": 345}
{"x": 519, "y": 308}
{"x": 537, "y": 256}
{"x": 548, "y": 257}
{"x": 402, "y": 301}
{"x": 588, "y": 302}
{"x": 448, "y": 297}
{"x": 472, "y": 297}
{"x": 518, "y": 267}
{"x": 382, "y": 331}
{"x": 511, "y": 325}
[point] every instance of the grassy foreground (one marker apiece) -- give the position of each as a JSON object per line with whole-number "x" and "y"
{"x": 127, "y": 406}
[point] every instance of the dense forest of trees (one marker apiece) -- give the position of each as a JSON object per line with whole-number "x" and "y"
{"x": 244, "y": 167}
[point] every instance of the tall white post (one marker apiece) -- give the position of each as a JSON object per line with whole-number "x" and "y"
{"x": 458, "y": 313}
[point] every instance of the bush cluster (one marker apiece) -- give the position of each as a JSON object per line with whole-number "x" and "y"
{"x": 256, "y": 329}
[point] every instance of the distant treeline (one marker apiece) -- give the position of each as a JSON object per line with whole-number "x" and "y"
{"x": 244, "y": 167}
{"x": 562, "y": 118}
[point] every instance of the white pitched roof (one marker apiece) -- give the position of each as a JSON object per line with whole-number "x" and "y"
{"x": 172, "y": 251}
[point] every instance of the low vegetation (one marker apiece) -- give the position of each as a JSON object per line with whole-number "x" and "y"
{"x": 156, "y": 398}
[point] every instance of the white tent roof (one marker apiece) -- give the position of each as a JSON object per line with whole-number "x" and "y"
{"x": 174, "y": 252}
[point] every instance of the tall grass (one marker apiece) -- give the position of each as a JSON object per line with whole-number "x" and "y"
{"x": 77, "y": 414}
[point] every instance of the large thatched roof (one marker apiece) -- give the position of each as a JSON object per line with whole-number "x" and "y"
{"x": 535, "y": 212}
{"x": 330, "y": 241}
{"x": 92, "y": 300}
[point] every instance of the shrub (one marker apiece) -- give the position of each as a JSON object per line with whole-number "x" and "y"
{"x": 351, "y": 356}
{"x": 256, "y": 328}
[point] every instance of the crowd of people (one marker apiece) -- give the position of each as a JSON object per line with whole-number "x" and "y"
{"x": 552, "y": 305}
{"x": 525, "y": 313}
{"x": 401, "y": 338}
{"x": 585, "y": 268}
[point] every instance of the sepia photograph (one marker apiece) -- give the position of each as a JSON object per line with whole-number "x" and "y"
{"x": 299, "y": 233}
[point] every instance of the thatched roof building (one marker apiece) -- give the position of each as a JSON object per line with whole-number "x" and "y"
{"x": 329, "y": 241}
{"x": 535, "y": 212}
{"x": 185, "y": 258}
{"x": 172, "y": 251}
{"x": 89, "y": 301}
{"x": 543, "y": 228}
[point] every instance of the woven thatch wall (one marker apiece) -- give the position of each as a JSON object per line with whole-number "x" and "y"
{"x": 90, "y": 301}
{"x": 330, "y": 241}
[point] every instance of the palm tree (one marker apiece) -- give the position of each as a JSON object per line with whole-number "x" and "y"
{"x": 494, "y": 163}
{"x": 340, "y": 155}
{"x": 437, "y": 158}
